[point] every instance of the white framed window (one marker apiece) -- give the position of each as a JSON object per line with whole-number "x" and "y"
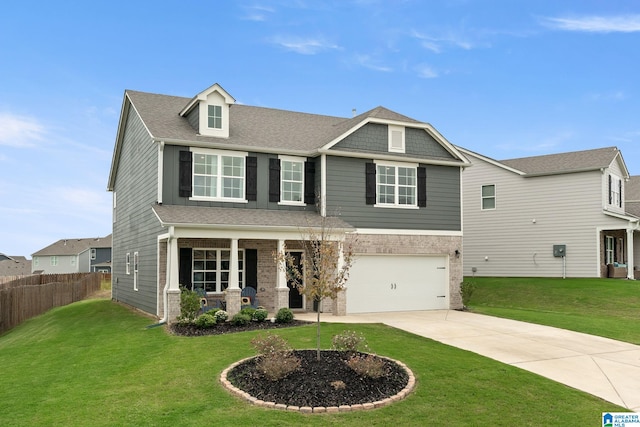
{"x": 93, "y": 253}
{"x": 53, "y": 260}
{"x": 488, "y": 194}
{"x": 135, "y": 271}
{"x": 211, "y": 267}
{"x": 36, "y": 261}
{"x": 615, "y": 191}
{"x": 396, "y": 139}
{"x": 127, "y": 263}
{"x": 609, "y": 249}
{"x": 291, "y": 180}
{"x": 396, "y": 185}
{"x": 219, "y": 175}
{"x": 214, "y": 116}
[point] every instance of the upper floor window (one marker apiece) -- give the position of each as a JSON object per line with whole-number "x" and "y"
{"x": 396, "y": 139}
{"x": 214, "y": 116}
{"x": 615, "y": 191}
{"x": 488, "y": 197}
{"x": 93, "y": 253}
{"x": 127, "y": 263}
{"x": 396, "y": 185}
{"x": 219, "y": 176}
{"x": 291, "y": 180}
{"x": 135, "y": 271}
{"x": 53, "y": 260}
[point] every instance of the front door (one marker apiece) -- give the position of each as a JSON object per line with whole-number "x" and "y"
{"x": 295, "y": 298}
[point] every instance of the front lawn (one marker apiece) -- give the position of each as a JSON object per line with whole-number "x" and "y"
{"x": 604, "y": 307}
{"x": 95, "y": 363}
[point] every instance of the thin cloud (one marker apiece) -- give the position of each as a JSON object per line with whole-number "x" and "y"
{"x": 596, "y": 24}
{"x": 616, "y": 95}
{"x": 258, "y": 13}
{"x": 304, "y": 46}
{"x": 438, "y": 44}
{"x": 20, "y": 131}
{"x": 426, "y": 71}
{"x": 368, "y": 61}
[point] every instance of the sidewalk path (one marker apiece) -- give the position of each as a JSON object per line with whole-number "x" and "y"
{"x": 600, "y": 366}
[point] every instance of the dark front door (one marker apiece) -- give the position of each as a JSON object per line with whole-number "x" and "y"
{"x": 295, "y": 298}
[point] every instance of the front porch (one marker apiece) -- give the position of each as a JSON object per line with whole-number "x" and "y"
{"x": 617, "y": 254}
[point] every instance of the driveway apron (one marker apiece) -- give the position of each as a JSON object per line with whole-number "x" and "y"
{"x": 600, "y": 366}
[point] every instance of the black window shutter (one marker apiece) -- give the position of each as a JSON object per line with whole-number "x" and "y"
{"x": 620, "y": 192}
{"x": 370, "y": 183}
{"x": 185, "y": 174}
{"x": 610, "y": 190}
{"x": 274, "y": 180}
{"x": 310, "y": 182}
{"x": 422, "y": 187}
{"x": 251, "y": 184}
{"x": 184, "y": 267}
{"x": 251, "y": 268}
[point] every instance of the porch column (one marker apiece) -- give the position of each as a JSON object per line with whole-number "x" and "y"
{"x": 282, "y": 290}
{"x": 630, "y": 274}
{"x": 172, "y": 300}
{"x": 339, "y": 305}
{"x": 233, "y": 290}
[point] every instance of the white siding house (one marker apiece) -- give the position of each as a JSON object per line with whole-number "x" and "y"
{"x": 519, "y": 213}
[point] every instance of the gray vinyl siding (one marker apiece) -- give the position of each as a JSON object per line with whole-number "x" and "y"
{"x": 346, "y": 196}
{"x": 567, "y": 209}
{"x": 170, "y": 193}
{"x": 374, "y": 138}
{"x": 136, "y": 228}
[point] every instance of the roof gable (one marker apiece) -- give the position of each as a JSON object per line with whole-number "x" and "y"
{"x": 74, "y": 246}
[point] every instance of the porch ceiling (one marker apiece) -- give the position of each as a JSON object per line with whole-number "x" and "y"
{"x": 212, "y": 217}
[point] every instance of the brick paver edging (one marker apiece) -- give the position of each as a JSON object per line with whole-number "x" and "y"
{"x": 320, "y": 409}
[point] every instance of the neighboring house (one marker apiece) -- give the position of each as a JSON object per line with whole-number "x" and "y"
{"x": 73, "y": 256}
{"x": 14, "y": 266}
{"x": 206, "y": 191}
{"x": 558, "y": 215}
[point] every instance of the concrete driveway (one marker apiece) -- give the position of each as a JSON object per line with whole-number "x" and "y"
{"x": 600, "y": 366}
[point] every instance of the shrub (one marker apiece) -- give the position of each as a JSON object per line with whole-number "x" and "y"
{"x": 221, "y": 316}
{"x": 183, "y": 321}
{"x": 260, "y": 315}
{"x": 351, "y": 341}
{"x": 367, "y": 365}
{"x": 466, "y": 290}
{"x": 249, "y": 311}
{"x": 284, "y": 315}
{"x": 189, "y": 304}
{"x": 205, "y": 321}
{"x": 276, "y": 359}
{"x": 240, "y": 319}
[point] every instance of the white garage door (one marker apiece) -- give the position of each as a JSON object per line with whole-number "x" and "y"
{"x": 397, "y": 283}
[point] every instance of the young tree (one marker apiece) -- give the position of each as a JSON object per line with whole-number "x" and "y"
{"x": 324, "y": 269}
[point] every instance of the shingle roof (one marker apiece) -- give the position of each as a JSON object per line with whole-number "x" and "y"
{"x": 236, "y": 217}
{"x": 258, "y": 127}
{"x": 632, "y": 189}
{"x": 74, "y": 246}
{"x": 18, "y": 266}
{"x": 564, "y": 162}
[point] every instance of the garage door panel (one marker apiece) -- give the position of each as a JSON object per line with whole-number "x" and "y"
{"x": 397, "y": 283}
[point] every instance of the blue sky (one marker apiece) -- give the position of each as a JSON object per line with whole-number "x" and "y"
{"x": 504, "y": 78}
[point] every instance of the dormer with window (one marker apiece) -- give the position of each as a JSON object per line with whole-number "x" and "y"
{"x": 208, "y": 112}
{"x": 396, "y": 139}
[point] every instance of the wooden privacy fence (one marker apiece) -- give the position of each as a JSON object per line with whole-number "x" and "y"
{"x": 30, "y": 296}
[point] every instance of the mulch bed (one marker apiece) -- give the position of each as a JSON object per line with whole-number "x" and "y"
{"x": 228, "y": 328}
{"x": 328, "y": 382}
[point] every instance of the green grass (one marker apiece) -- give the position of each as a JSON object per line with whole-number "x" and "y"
{"x": 95, "y": 363}
{"x": 604, "y": 307}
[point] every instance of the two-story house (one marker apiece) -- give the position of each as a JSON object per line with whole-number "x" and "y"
{"x": 73, "y": 256}
{"x": 558, "y": 215}
{"x": 206, "y": 191}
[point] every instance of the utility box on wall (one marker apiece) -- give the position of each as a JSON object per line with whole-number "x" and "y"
{"x": 559, "y": 250}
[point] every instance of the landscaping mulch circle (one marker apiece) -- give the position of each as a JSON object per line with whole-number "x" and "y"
{"x": 328, "y": 383}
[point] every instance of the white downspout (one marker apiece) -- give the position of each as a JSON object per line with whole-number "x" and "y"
{"x": 167, "y": 282}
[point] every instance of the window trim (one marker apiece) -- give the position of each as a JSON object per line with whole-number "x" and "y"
{"x": 609, "y": 249}
{"x": 136, "y": 260}
{"x": 127, "y": 263}
{"x": 220, "y": 154}
{"x": 219, "y": 270}
{"x": 396, "y": 204}
{"x": 53, "y": 260}
{"x": 483, "y": 197}
{"x": 301, "y": 161}
{"x": 615, "y": 191}
{"x": 93, "y": 253}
